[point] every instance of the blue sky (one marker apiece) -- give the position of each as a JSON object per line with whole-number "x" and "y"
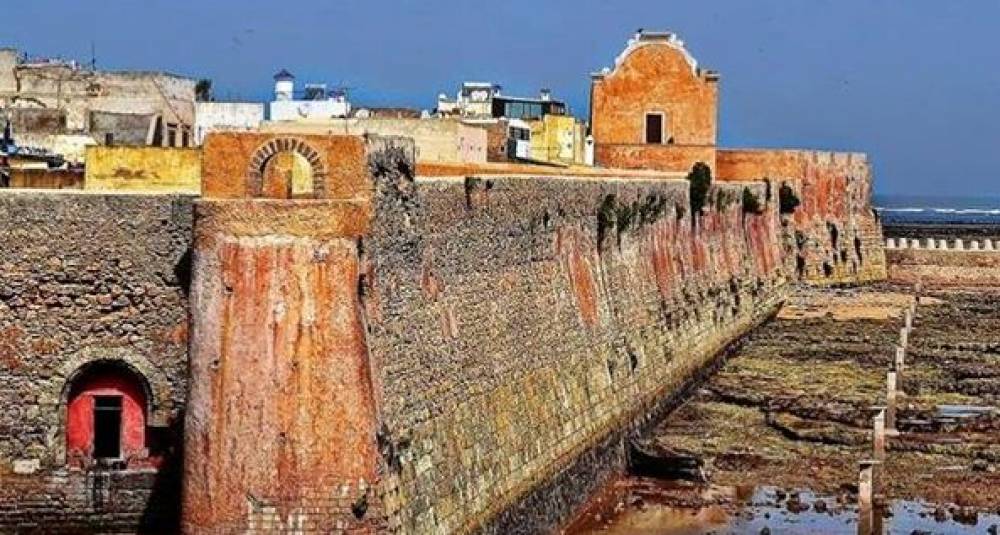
{"x": 914, "y": 83}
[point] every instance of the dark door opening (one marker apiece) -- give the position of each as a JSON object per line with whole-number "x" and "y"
{"x": 654, "y": 128}
{"x": 107, "y": 427}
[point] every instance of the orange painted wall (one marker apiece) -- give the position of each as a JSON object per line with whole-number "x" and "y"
{"x": 227, "y": 157}
{"x": 654, "y": 77}
{"x": 672, "y": 158}
{"x": 280, "y": 429}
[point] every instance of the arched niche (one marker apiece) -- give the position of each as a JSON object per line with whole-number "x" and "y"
{"x": 285, "y": 168}
{"x": 106, "y": 406}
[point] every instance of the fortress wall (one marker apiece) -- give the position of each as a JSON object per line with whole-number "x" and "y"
{"x": 944, "y": 267}
{"x": 280, "y": 419}
{"x": 519, "y": 338}
{"x": 677, "y": 158}
{"x": 83, "y": 278}
{"x": 280, "y": 428}
{"x": 833, "y": 237}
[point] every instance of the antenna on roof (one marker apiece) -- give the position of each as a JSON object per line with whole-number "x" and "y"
{"x": 93, "y": 56}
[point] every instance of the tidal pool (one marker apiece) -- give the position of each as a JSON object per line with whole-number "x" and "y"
{"x": 770, "y": 511}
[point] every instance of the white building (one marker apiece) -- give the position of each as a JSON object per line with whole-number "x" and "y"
{"x": 212, "y": 116}
{"x": 316, "y": 103}
{"x": 474, "y": 99}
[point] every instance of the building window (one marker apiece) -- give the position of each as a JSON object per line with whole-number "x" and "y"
{"x": 107, "y": 427}
{"x": 654, "y": 128}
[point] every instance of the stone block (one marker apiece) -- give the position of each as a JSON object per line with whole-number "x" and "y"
{"x": 26, "y": 466}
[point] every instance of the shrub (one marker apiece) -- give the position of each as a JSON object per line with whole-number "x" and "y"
{"x": 788, "y": 201}
{"x": 700, "y": 179}
{"x": 751, "y": 203}
{"x": 605, "y": 218}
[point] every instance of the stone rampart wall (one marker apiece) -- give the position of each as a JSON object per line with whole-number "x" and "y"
{"x": 833, "y": 237}
{"x": 87, "y": 278}
{"x": 509, "y": 332}
{"x": 521, "y": 326}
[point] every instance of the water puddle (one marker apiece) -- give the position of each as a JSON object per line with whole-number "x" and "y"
{"x": 961, "y": 412}
{"x": 773, "y": 511}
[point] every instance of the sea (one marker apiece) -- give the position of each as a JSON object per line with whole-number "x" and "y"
{"x": 938, "y": 210}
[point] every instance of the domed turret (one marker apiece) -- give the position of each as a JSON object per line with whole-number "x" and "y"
{"x": 284, "y": 85}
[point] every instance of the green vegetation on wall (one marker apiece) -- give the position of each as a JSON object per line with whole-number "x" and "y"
{"x": 700, "y": 179}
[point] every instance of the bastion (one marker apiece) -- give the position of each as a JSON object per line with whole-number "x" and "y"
{"x": 368, "y": 350}
{"x": 330, "y": 337}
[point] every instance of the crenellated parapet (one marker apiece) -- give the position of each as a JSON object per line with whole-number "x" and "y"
{"x": 933, "y": 244}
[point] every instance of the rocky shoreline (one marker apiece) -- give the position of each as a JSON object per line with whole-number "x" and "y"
{"x": 791, "y": 411}
{"x": 941, "y": 231}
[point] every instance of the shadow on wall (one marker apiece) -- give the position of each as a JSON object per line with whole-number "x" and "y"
{"x": 182, "y": 272}
{"x": 163, "y": 508}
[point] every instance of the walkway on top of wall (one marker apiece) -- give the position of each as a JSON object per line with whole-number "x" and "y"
{"x": 438, "y": 169}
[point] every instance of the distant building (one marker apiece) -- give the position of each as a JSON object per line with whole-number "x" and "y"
{"x": 656, "y": 108}
{"x": 62, "y": 106}
{"x": 558, "y": 139}
{"x": 479, "y": 100}
{"x": 514, "y": 122}
{"x": 215, "y": 116}
{"x": 438, "y": 140}
{"x": 316, "y": 101}
{"x": 369, "y": 112}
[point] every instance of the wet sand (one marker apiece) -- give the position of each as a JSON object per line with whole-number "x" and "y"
{"x": 791, "y": 411}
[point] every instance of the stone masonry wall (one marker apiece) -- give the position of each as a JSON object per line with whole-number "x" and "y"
{"x": 834, "y": 236}
{"x": 521, "y": 325}
{"x": 85, "y": 278}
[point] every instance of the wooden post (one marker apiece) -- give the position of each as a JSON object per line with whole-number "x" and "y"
{"x": 900, "y": 361}
{"x": 908, "y": 320}
{"x": 866, "y": 497}
{"x": 878, "y": 437}
{"x": 903, "y": 337}
{"x": 890, "y": 404}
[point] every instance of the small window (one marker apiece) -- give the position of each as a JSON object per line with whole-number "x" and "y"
{"x": 654, "y": 128}
{"x": 107, "y": 427}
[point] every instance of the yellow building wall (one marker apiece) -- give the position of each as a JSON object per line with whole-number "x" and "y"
{"x": 557, "y": 139}
{"x": 143, "y": 169}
